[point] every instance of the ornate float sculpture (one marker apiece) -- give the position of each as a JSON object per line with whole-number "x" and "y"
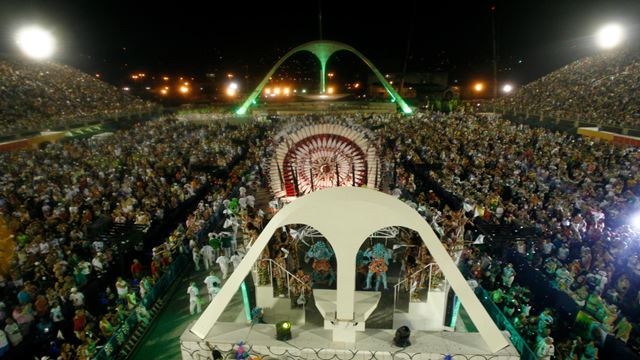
{"x": 315, "y": 156}
{"x": 322, "y": 269}
{"x": 379, "y": 264}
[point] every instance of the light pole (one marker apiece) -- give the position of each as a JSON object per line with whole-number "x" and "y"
{"x": 495, "y": 55}
{"x": 320, "y": 18}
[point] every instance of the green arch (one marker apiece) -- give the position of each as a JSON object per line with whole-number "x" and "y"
{"x": 323, "y": 50}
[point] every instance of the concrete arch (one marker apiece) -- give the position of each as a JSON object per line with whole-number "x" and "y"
{"x": 347, "y": 216}
{"x": 323, "y": 50}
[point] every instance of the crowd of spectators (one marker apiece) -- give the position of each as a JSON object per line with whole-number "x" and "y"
{"x": 600, "y": 89}
{"x": 59, "y": 290}
{"x": 579, "y": 195}
{"x": 38, "y": 96}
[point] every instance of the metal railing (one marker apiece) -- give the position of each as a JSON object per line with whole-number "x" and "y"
{"x": 289, "y": 277}
{"x": 412, "y": 282}
{"x": 121, "y": 334}
{"x": 303, "y": 286}
{"x": 65, "y": 123}
{"x": 503, "y": 323}
{"x": 563, "y": 119}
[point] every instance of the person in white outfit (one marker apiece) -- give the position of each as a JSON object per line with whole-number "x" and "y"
{"x": 194, "y": 299}
{"x": 251, "y": 201}
{"x": 207, "y": 256}
{"x": 213, "y": 285}
{"x": 236, "y": 259}
{"x": 195, "y": 252}
{"x": 223, "y": 261}
{"x": 545, "y": 349}
{"x": 232, "y": 222}
{"x": 243, "y": 203}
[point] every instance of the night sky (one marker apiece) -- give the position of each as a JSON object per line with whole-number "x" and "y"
{"x": 534, "y": 37}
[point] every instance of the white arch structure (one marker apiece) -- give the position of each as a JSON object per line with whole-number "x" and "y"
{"x": 347, "y": 216}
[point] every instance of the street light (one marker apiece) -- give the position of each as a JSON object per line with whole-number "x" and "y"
{"x": 507, "y": 88}
{"x": 609, "y": 36}
{"x": 477, "y": 87}
{"x": 35, "y": 42}
{"x": 232, "y": 89}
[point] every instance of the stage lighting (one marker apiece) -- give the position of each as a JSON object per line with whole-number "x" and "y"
{"x": 609, "y": 36}
{"x": 283, "y": 330}
{"x": 35, "y": 42}
{"x": 402, "y": 337}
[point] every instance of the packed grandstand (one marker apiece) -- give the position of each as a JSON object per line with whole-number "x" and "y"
{"x": 600, "y": 89}
{"x": 68, "y": 290}
{"x": 36, "y": 96}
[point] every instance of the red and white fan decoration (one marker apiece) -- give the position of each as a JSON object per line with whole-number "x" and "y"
{"x": 320, "y": 156}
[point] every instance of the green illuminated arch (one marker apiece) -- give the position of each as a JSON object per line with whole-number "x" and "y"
{"x": 323, "y": 50}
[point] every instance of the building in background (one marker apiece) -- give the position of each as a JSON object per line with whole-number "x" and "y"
{"x": 420, "y": 87}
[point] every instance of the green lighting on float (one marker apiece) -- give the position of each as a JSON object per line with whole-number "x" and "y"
{"x": 456, "y": 310}
{"x": 245, "y": 300}
{"x": 283, "y": 330}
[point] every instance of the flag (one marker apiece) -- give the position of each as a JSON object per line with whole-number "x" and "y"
{"x": 479, "y": 240}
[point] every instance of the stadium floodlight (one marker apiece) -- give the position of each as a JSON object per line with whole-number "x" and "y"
{"x": 507, "y": 88}
{"x": 609, "y": 36}
{"x": 35, "y": 42}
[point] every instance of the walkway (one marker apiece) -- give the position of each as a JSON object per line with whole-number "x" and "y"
{"x": 162, "y": 340}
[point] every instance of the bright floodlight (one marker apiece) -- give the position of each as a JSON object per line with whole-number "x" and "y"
{"x": 609, "y": 36}
{"x": 507, "y": 88}
{"x": 635, "y": 221}
{"x": 35, "y": 42}
{"x": 232, "y": 89}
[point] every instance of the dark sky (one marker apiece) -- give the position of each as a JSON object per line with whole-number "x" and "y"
{"x": 193, "y": 38}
